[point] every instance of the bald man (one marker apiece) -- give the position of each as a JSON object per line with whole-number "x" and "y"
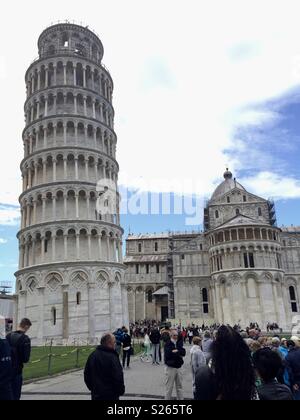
{"x": 103, "y": 374}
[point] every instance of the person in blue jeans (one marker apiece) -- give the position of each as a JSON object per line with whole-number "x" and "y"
{"x": 20, "y": 346}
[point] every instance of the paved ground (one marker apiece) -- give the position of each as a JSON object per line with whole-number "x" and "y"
{"x": 143, "y": 381}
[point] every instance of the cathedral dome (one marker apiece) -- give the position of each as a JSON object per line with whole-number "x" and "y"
{"x": 226, "y": 186}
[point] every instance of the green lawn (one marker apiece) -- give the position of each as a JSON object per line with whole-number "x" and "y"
{"x": 62, "y": 360}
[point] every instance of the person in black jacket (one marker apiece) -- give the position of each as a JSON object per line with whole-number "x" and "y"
{"x": 103, "y": 374}
{"x": 293, "y": 366}
{"x": 20, "y": 353}
{"x": 155, "y": 340}
{"x": 174, "y": 353}
{"x": 127, "y": 348}
{"x": 5, "y": 371}
{"x": 268, "y": 363}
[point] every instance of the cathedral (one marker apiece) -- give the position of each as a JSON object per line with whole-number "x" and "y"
{"x": 242, "y": 268}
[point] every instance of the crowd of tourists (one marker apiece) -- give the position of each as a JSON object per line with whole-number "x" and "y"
{"x": 227, "y": 363}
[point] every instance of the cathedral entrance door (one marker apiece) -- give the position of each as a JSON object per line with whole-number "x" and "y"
{"x": 164, "y": 313}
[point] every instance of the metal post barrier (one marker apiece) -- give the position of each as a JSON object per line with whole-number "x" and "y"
{"x": 77, "y": 358}
{"x": 50, "y": 358}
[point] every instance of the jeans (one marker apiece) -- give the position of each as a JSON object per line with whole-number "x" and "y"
{"x": 296, "y": 395}
{"x": 126, "y": 355}
{"x": 155, "y": 353}
{"x": 16, "y": 384}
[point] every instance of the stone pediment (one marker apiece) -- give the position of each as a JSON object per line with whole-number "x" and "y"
{"x": 241, "y": 220}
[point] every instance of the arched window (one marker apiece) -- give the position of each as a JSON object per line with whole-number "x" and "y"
{"x": 244, "y": 198}
{"x": 140, "y": 247}
{"x": 53, "y": 316}
{"x": 205, "y": 301}
{"x": 156, "y": 246}
{"x": 217, "y": 214}
{"x": 259, "y": 211}
{"x": 228, "y": 199}
{"x": 237, "y": 212}
{"x": 293, "y": 299}
{"x": 78, "y": 298}
{"x": 150, "y": 296}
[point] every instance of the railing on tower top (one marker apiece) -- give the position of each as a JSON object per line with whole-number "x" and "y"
{"x": 73, "y": 22}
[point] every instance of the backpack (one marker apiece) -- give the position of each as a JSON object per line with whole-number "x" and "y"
{"x": 14, "y": 339}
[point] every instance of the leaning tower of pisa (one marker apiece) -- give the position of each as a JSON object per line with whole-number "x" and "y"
{"x": 70, "y": 281}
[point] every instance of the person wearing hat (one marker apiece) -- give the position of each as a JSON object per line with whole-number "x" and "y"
{"x": 296, "y": 340}
{"x": 293, "y": 366}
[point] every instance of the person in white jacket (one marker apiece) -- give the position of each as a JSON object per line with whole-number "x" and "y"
{"x": 197, "y": 358}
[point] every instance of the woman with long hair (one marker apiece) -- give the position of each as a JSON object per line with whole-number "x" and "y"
{"x": 231, "y": 375}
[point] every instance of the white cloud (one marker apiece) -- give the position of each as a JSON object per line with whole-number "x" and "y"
{"x": 9, "y": 216}
{"x": 268, "y": 184}
{"x": 207, "y": 65}
{"x": 3, "y": 241}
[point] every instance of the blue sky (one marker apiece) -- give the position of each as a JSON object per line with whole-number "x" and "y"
{"x": 197, "y": 88}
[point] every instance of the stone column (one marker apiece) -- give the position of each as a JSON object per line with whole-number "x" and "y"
{"x": 88, "y": 206}
{"x": 44, "y": 208}
{"x": 77, "y": 246}
{"x": 95, "y": 138}
{"x": 40, "y": 331}
{"x": 108, "y": 248}
{"x": 46, "y": 106}
{"x": 100, "y": 248}
{"x": 219, "y": 304}
{"x": 91, "y": 312}
{"x": 36, "y": 173}
{"x": 84, "y": 77}
{"x": 53, "y": 208}
{"x": 75, "y": 75}
{"x": 39, "y": 79}
{"x": 34, "y": 211}
{"x": 96, "y": 171}
{"x": 55, "y": 75}
{"x": 65, "y": 134}
{"x": 94, "y": 109}
{"x": 65, "y": 247}
{"x": 46, "y": 77}
{"x": 44, "y": 171}
{"x": 65, "y": 74}
{"x": 27, "y": 215}
{"x": 45, "y": 138}
{"x": 77, "y": 205}
{"x": 65, "y": 168}
{"x": 29, "y": 178}
{"x": 86, "y": 134}
{"x": 76, "y": 168}
{"x": 43, "y": 250}
{"x": 87, "y": 169}
{"x": 54, "y": 169}
{"x": 53, "y": 238}
{"x": 33, "y": 251}
{"x": 54, "y": 135}
{"x": 21, "y": 257}
{"x": 75, "y": 105}
{"x": 65, "y": 206}
{"x": 101, "y": 112}
{"x": 84, "y": 106}
{"x": 89, "y": 246}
